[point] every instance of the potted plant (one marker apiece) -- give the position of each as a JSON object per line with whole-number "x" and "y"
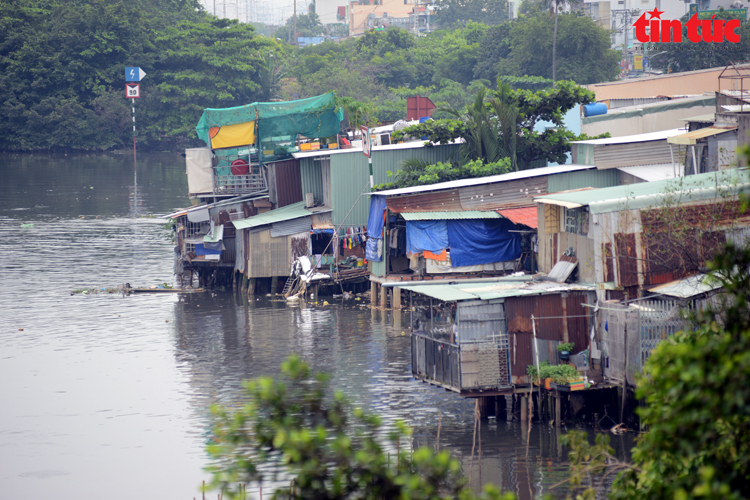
{"x": 565, "y": 378}
{"x": 564, "y": 350}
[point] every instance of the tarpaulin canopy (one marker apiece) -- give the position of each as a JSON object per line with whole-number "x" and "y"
{"x": 311, "y": 117}
{"x": 482, "y": 241}
{"x": 230, "y": 136}
{"x": 375, "y": 219}
{"x": 424, "y": 235}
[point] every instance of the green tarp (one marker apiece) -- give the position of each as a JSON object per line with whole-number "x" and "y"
{"x": 311, "y": 117}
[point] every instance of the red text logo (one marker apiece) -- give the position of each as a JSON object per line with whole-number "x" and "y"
{"x": 665, "y": 30}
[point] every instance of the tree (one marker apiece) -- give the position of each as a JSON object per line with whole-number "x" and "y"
{"x": 554, "y": 8}
{"x": 532, "y": 147}
{"x": 458, "y": 13}
{"x": 583, "y": 52}
{"x": 693, "y": 56}
{"x": 332, "y": 450}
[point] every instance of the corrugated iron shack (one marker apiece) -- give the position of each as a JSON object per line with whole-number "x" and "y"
{"x": 628, "y": 238}
{"x": 476, "y": 338}
{"x": 407, "y": 226}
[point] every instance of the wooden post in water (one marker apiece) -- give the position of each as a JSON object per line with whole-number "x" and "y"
{"x": 509, "y": 407}
{"x": 274, "y": 284}
{"x": 524, "y": 409}
{"x": 558, "y": 413}
{"x": 383, "y": 296}
{"x": 373, "y": 294}
{"x": 251, "y": 286}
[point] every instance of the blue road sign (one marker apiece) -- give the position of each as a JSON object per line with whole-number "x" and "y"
{"x": 134, "y": 74}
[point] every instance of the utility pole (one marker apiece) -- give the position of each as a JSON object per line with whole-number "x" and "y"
{"x": 295, "y": 23}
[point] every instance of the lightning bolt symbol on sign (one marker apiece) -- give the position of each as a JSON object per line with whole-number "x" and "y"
{"x": 132, "y": 72}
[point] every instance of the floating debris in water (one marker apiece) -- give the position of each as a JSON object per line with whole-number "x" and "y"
{"x": 26, "y": 226}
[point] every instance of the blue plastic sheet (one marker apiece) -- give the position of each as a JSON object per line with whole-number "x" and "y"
{"x": 424, "y": 235}
{"x": 200, "y": 249}
{"x": 375, "y": 220}
{"x": 482, "y": 241}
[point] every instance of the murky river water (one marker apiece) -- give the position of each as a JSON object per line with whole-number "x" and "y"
{"x": 108, "y": 396}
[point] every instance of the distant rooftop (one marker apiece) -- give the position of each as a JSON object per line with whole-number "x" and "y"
{"x": 650, "y": 194}
{"x": 476, "y": 181}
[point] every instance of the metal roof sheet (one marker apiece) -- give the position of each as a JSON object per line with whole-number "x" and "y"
{"x": 709, "y": 118}
{"x": 651, "y": 173}
{"x": 628, "y": 139}
{"x": 693, "y": 137}
{"x": 633, "y": 196}
{"x": 524, "y": 215}
{"x": 687, "y": 287}
{"x": 288, "y": 212}
{"x": 476, "y": 181}
{"x": 503, "y": 287}
{"x": 467, "y": 214}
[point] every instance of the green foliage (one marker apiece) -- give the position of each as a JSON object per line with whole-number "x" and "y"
{"x": 565, "y": 346}
{"x": 702, "y": 55}
{"x": 560, "y": 374}
{"x": 414, "y": 172}
{"x": 522, "y": 107}
{"x": 458, "y": 13}
{"x": 62, "y": 67}
{"x": 583, "y": 49}
{"x": 332, "y": 450}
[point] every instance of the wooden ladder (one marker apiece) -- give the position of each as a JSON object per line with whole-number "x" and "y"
{"x": 290, "y": 281}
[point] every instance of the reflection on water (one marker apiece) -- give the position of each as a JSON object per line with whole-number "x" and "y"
{"x": 108, "y": 393}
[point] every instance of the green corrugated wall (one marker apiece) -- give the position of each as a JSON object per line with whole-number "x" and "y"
{"x": 378, "y": 268}
{"x": 312, "y": 181}
{"x": 583, "y": 179}
{"x": 350, "y": 177}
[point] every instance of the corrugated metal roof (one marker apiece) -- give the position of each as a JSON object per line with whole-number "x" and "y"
{"x": 628, "y": 139}
{"x": 490, "y": 290}
{"x": 289, "y": 227}
{"x": 525, "y": 215}
{"x": 583, "y": 179}
{"x": 688, "y": 287}
{"x": 652, "y": 173}
{"x": 521, "y": 174}
{"x": 709, "y": 118}
{"x": 289, "y": 212}
{"x": 692, "y": 188}
{"x": 693, "y": 137}
{"x": 468, "y": 214}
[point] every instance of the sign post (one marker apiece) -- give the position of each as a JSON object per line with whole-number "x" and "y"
{"x": 367, "y": 150}
{"x": 133, "y": 91}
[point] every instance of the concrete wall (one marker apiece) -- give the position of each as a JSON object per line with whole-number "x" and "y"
{"x": 687, "y": 83}
{"x": 645, "y": 120}
{"x": 358, "y": 13}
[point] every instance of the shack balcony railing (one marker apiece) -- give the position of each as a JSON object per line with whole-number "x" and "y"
{"x": 230, "y": 184}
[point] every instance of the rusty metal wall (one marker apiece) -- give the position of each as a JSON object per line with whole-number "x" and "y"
{"x": 502, "y": 194}
{"x": 267, "y": 256}
{"x": 285, "y": 182}
{"x": 435, "y": 201}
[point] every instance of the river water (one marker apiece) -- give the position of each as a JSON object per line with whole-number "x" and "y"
{"x": 108, "y": 396}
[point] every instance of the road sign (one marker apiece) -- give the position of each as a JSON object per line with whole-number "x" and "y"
{"x": 134, "y": 74}
{"x": 366, "y": 142}
{"x": 132, "y": 90}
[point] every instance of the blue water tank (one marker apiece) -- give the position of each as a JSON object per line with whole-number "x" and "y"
{"x": 598, "y": 108}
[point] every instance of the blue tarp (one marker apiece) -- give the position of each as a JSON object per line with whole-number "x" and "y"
{"x": 482, "y": 241}
{"x": 200, "y": 249}
{"x": 375, "y": 220}
{"x": 424, "y": 235}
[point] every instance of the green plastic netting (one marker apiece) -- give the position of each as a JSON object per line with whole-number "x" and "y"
{"x": 311, "y": 117}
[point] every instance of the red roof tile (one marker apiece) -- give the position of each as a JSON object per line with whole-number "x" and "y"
{"x": 525, "y": 215}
